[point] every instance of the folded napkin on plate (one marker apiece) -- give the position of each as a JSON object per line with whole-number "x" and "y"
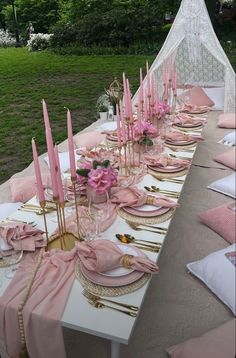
{"x": 163, "y": 161}
{"x": 21, "y": 236}
{"x": 192, "y": 107}
{"x": 135, "y": 197}
{"x": 177, "y": 136}
{"x": 182, "y": 118}
{"x": 104, "y": 255}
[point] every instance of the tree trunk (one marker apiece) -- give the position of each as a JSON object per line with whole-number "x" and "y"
{"x": 16, "y": 23}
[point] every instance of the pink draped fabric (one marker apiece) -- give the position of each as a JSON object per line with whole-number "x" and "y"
{"x": 135, "y": 197}
{"x": 43, "y": 309}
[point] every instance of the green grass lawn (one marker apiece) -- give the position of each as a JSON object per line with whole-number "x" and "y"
{"x": 63, "y": 81}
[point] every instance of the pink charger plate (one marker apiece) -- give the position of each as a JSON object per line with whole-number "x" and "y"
{"x": 180, "y": 142}
{"x": 112, "y": 137}
{"x": 197, "y": 111}
{"x": 138, "y": 211}
{"x": 189, "y": 125}
{"x": 167, "y": 169}
{"x": 102, "y": 279}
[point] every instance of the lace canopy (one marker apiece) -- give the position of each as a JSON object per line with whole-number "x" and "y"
{"x": 196, "y": 53}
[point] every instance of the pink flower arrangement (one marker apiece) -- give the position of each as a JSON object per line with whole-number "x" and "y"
{"x": 98, "y": 175}
{"x": 162, "y": 109}
{"x": 147, "y": 131}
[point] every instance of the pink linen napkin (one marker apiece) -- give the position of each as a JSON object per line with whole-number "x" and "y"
{"x": 134, "y": 197}
{"x": 88, "y": 139}
{"x": 104, "y": 255}
{"x": 23, "y": 189}
{"x": 44, "y": 307}
{"x": 182, "y": 118}
{"x": 21, "y": 236}
{"x": 191, "y": 107}
{"x": 163, "y": 161}
{"x": 177, "y": 136}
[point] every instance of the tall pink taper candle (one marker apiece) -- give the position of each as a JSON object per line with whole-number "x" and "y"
{"x": 45, "y": 115}
{"x": 37, "y": 171}
{"x": 139, "y": 117}
{"x": 52, "y": 162}
{"x": 71, "y": 146}
{"x": 118, "y": 125}
{"x": 125, "y": 96}
{"x": 122, "y": 123}
{"x": 58, "y": 176}
{"x": 148, "y": 80}
{"x": 141, "y": 86}
{"x": 129, "y": 102}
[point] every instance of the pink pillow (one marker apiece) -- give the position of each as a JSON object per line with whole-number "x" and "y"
{"x": 221, "y": 220}
{"x": 88, "y": 140}
{"x": 23, "y": 189}
{"x": 227, "y": 120}
{"x": 227, "y": 158}
{"x": 198, "y": 97}
{"x": 217, "y": 343}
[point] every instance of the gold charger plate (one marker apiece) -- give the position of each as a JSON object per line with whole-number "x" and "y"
{"x": 185, "y": 129}
{"x": 12, "y": 259}
{"x": 160, "y": 175}
{"x": 146, "y": 220}
{"x": 69, "y": 239}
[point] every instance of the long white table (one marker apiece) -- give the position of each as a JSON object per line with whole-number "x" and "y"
{"x": 79, "y": 314}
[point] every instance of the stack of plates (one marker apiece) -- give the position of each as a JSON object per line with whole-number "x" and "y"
{"x": 167, "y": 169}
{"x": 180, "y": 142}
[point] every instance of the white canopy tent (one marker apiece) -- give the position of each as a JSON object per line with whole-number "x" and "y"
{"x": 197, "y": 54}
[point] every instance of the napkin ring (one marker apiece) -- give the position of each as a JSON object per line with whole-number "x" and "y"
{"x": 150, "y": 200}
{"x": 127, "y": 260}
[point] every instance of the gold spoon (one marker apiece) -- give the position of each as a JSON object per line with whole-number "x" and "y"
{"x": 126, "y": 239}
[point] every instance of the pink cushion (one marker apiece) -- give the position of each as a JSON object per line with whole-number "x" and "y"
{"x": 23, "y": 189}
{"x": 217, "y": 343}
{"x": 221, "y": 220}
{"x": 227, "y": 120}
{"x": 227, "y": 158}
{"x": 198, "y": 97}
{"x": 88, "y": 140}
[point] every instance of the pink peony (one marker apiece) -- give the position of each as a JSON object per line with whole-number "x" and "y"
{"x": 102, "y": 179}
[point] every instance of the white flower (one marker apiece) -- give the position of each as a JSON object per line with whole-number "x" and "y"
{"x": 39, "y": 41}
{"x": 6, "y": 40}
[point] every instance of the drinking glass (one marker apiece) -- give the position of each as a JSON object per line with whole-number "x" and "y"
{"x": 99, "y": 212}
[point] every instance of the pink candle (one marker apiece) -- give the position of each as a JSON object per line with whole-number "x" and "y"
{"x": 45, "y": 115}
{"x": 139, "y": 117}
{"x": 141, "y": 86}
{"x": 38, "y": 176}
{"x": 175, "y": 84}
{"x": 129, "y": 102}
{"x": 122, "y": 123}
{"x": 118, "y": 125}
{"x": 58, "y": 176}
{"x": 125, "y": 96}
{"x": 52, "y": 162}
{"x": 148, "y": 80}
{"x": 71, "y": 146}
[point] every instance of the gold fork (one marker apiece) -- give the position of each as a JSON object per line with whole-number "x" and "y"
{"x": 147, "y": 228}
{"x": 93, "y": 297}
{"x": 98, "y": 304}
{"x": 172, "y": 180}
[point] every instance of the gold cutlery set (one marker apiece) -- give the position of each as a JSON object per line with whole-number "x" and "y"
{"x": 140, "y": 244}
{"x": 36, "y": 208}
{"x": 97, "y": 302}
{"x": 169, "y": 193}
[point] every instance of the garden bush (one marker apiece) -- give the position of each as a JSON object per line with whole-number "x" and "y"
{"x": 38, "y": 42}
{"x": 6, "y": 40}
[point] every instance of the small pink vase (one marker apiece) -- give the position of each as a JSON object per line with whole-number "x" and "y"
{"x": 97, "y": 198}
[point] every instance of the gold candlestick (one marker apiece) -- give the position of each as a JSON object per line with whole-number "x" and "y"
{"x": 74, "y": 181}
{"x": 60, "y": 227}
{"x": 43, "y": 206}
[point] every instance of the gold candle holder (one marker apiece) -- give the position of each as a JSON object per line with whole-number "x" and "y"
{"x": 59, "y": 221}
{"x": 43, "y": 206}
{"x": 74, "y": 181}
